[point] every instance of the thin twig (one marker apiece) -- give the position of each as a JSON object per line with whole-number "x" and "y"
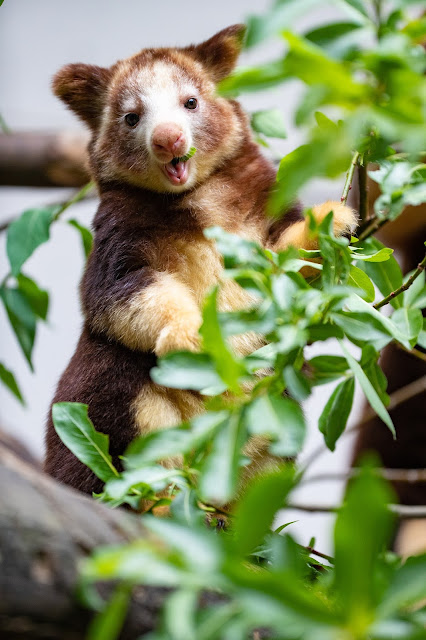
{"x": 371, "y": 226}
{"x": 363, "y": 191}
{"x": 403, "y": 511}
{"x": 420, "y": 268}
{"x": 349, "y": 178}
{"x": 410, "y": 476}
{"x": 396, "y": 398}
{"x": 81, "y": 194}
{"x": 314, "y": 552}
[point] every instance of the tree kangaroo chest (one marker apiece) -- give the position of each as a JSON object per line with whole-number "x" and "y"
{"x": 195, "y": 261}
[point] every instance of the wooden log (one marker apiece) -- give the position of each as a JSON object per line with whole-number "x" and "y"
{"x": 46, "y": 529}
{"x": 42, "y": 159}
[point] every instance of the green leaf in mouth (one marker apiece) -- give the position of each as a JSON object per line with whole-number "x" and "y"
{"x": 186, "y": 157}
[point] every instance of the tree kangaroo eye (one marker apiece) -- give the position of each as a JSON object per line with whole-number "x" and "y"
{"x": 191, "y": 103}
{"x": 132, "y": 119}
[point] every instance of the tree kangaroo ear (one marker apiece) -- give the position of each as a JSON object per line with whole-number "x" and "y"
{"x": 220, "y": 53}
{"x": 83, "y": 89}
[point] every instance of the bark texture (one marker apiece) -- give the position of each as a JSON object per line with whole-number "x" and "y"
{"x": 45, "y": 530}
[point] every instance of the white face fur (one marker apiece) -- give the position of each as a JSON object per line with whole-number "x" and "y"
{"x": 158, "y": 96}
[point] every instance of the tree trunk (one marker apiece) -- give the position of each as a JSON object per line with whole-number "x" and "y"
{"x": 45, "y": 530}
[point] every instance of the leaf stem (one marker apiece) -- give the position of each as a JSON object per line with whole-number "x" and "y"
{"x": 421, "y": 267}
{"x": 349, "y": 177}
{"x": 73, "y": 200}
{"x": 414, "y": 352}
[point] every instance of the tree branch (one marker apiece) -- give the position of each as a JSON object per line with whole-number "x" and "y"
{"x": 37, "y": 159}
{"x": 349, "y": 177}
{"x": 404, "y": 512}
{"x": 420, "y": 268}
{"x": 411, "y": 476}
{"x": 371, "y": 226}
{"x": 414, "y": 352}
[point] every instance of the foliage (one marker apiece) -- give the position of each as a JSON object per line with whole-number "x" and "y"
{"x": 374, "y": 102}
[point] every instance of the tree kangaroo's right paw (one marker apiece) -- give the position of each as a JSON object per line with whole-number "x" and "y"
{"x": 180, "y": 335}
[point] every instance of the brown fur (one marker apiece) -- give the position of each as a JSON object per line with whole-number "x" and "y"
{"x": 151, "y": 265}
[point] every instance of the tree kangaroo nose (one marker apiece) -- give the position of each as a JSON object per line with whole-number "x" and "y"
{"x": 168, "y": 139}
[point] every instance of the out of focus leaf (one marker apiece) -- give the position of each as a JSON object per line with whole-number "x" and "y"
{"x": 281, "y": 420}
{"x": 362, "y": 530}
{"x": 270, "y": 123}
{"x": 228, "y": 368}
{"x": 107, "y": 624}
{"x": 249, "y": 531}
{"x": 184, "y": 370}
{"x": 9, "y": 381}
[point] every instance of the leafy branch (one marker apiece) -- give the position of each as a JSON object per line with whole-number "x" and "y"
{"x": 420, "y": 269}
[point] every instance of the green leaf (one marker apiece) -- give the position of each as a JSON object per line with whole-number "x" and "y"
{"x": 270, "y": 123}
{"x": 219, "y": 475}
{"x": 297, "y": 384}
{"x": 107, "y": 625}
{"x": 311, "y": 64}
{"x": 21, "y": 317}
{"x": 357, "y": 5}
{"x": 249, "y": 531}
{"x": 86, "y": 236}
{"x": 409, "y": 322}
{"x": 363, "y": 528}
{"x": 415, "y": 295}
{"x": 370, "y": 393}
{"x": 387, "y": 276}
{"x": 229, "y": 369}
{"x": 171, "y": 442}
{"x": 26, "y": 233}
{"x": 328, "y": 368}
{"x": 358, "y": 305}
{"x": 147, "y": 480}
{"x": 374, "y": 372}
{"x": 329, "y": 33}
{"x": 359, "y": 279}
{"x": 184, "y": 370}
{"x": 37, "y": 298}
{"x": 362, "y": 327}
{"x": 9, "y": 381}
{"x": 279, "y": 17}
{"x": 407, "y": 587}
{"x": 281, "y": 420}
{"x": 76, "y": 430}
{"x": 179, "y": 614}
{"x": 332, "y": 421}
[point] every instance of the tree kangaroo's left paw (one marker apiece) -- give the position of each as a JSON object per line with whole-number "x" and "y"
{"x": 345, "y": 220}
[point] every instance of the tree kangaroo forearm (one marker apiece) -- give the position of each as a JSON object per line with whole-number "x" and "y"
{"x": 161, "y": 316}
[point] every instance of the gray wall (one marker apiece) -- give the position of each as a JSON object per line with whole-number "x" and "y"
{"x": 36, "y": 38}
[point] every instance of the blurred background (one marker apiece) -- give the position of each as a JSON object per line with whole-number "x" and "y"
{"x": 36, "y": 39}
